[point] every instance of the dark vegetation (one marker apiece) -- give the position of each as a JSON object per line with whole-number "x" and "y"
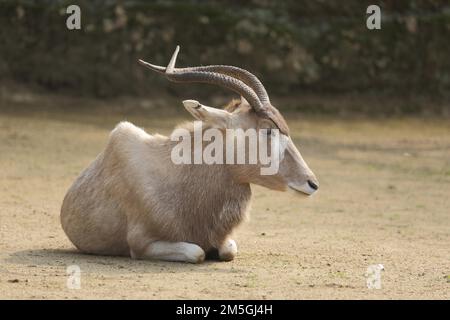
{"x": 317, "y": 48}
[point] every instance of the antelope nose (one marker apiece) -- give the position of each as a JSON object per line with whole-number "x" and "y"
{"x": 313, "y": 185}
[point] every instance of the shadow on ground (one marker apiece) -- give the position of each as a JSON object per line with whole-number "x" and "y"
{"x": 103, "y": 264}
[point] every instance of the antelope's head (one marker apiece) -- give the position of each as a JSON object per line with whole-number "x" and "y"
{"x": 253, "y": 111}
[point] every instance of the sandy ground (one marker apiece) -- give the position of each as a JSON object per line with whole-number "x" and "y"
{"x": 384, "y": 198}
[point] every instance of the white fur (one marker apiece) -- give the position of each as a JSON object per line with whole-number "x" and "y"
{"x": 228, "y": 250}
{"x": 175, "y": 251}
{"x": 304, "y": 188}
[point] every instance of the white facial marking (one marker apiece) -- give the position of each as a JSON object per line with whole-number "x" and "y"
{"x": 279, "y": 143}
{"x": 283, "y": 141}
{"x": 304, "y": 188}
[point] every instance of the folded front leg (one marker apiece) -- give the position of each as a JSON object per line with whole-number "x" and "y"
{"x": 172, "y": 251}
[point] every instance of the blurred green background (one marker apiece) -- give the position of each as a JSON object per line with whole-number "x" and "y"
{"x": 315, "y": 49}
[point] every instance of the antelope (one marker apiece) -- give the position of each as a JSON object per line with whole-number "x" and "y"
{"x": 132, "y": 200}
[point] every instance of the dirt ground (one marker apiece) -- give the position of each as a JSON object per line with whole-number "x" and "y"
{"x": 384, "y": 199}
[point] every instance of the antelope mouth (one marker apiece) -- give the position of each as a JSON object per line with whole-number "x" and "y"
{"x": 305, "y": 189}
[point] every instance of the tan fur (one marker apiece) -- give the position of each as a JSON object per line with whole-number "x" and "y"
{"x": 132, "y": 194}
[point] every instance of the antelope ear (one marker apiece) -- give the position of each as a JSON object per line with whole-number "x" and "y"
{"x": 218, "y": 117}
{"x": 244, "y": 102}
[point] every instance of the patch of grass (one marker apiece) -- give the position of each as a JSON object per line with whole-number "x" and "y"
{"x": 339, "y": 274}
{"x": 394, "y": 216}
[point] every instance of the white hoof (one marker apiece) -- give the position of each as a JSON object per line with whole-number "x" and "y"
{"x": 194, "y": 254}
{"x": 174, "y": 251}
{"x": 228, "y": 250}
